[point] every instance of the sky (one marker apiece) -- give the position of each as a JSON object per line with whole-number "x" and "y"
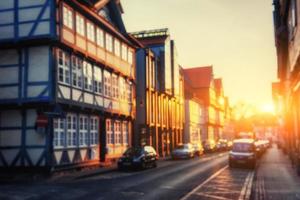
{"x": 235, "y": 36}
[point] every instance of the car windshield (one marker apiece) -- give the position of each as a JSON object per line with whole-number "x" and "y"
{"x": 133, "y": 151}
{"x": 242, "y": 147}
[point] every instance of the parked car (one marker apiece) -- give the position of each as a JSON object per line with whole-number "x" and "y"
{"x": 229, "y": 145}
{"x": 183, "y": 151}
{"x": 198, "y": 149}
{"x": 209, "y": 146}
{"x": 222, "y": 145}
{"x": 243, "y": 153}
{"x": 138, "y": 157}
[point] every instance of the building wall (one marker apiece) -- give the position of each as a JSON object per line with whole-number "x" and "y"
{"x": 63, "y": 62}
{"x": 25, "y": 74}
{"x": 20, "y": 143}
{"x": 193, "y": 117}
{"x": 21, "y": 19}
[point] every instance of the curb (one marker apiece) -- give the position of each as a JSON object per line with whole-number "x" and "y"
{"x": 104, "y": 171}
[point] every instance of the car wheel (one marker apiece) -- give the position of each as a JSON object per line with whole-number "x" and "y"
{"x": 253, "y": 165}
{"x": 143, "y": 165}
{"x": 154, "y": 164}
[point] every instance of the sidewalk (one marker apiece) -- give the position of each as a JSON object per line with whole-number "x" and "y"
{"x": 275, "y": 177}
{"x": 86, "y": 173}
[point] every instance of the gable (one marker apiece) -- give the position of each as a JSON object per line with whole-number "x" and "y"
{"x": 110, "y": 10}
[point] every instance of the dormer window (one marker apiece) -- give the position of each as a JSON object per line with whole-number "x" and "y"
{"x": 104, "y": 12}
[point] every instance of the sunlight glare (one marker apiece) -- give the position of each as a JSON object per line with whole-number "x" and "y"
{"x": 268, "y": 108}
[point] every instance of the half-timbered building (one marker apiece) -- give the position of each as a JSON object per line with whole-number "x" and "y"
{"x": 67, "y": 81}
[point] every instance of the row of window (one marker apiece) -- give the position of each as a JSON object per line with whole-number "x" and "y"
{"x": 117, "y": 132}
{"x": 93, "y": 33}
{"x": 75, "y": 130}
{"x": 79, "y": 73}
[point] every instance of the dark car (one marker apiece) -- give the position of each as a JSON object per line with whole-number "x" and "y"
{"x": 138, "y": 157}
{"x": 209, "y": 146}
{"x": 243, "y": 153}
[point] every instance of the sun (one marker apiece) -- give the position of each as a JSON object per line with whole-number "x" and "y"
{"x": 268, "y": 108}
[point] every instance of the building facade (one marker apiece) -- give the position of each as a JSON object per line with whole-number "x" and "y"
{"x": 200, "y": 84}
{"x": 287, "y": 40}
{"x": 159, "y": 92}
{"x": 194, "y": 120}
{"x": 67, "y": 83}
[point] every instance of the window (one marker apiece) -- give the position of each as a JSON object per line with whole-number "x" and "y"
{"x": 107, "y": 84}
{"x": 94, "y": 130}
{"x": 124, "y": 52}
{"x": 130, "y": 57}
{"x": 128, "y": 91}
{"x": 63, "y": 67}
{"x": 117, "y": 48}
{"x": 97, "y": 80}
{"x": 68, "y": 17}
{"x": 83, "y": 130}
{"x": 109, "y": 133}
{"x": 114, "y": 86}
{"x": 88, "y": 76}
{"x": 117, "y": 132}
{"x": 125, "y": 133}
{"x": 77, "y": 72}
{"x": 109, "y": 43}
{"x": 59, "y": 133}
{"x": 71, "y": 130}
{"x": 90, "y": 31}
{"x": 100, "y": 37}
{"x": 122, "y": 89}
{"x": 80, "y": 28}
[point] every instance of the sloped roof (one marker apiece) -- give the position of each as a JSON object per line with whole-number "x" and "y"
{"x": 199, "y": 77}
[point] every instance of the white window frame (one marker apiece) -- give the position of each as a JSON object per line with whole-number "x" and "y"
{"x": 80, "y": 25}
{"x": 71, "y": 130}
{"x": 98, "y": 80}
{"x": 117, "y": 132}
{"x": 109, "y": 42}
{"x": 129, "y": 91}
{"x": 122, "y": 88}
{"x": 77, "y": 72}
{"x": 130, "y": 57}
{"x": 125, "y": 133}
{"x": 109, "y": 132}
{"x": 63, "y": 63}
{"x": 83, "y": 130}
{"x": 90, "y": 31}
{"x": 67, "y": 17}
{"x": 59, "y": 133}
{"x": 124, "y": 52}
{"x": 114, "y": 86}
{"x": 88, "y": 76}
{"x": 100, "y": 37}
{"x": 94, "y": 130}
{"x": 107, "y": 83}
{"x": 117, "y": 49}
